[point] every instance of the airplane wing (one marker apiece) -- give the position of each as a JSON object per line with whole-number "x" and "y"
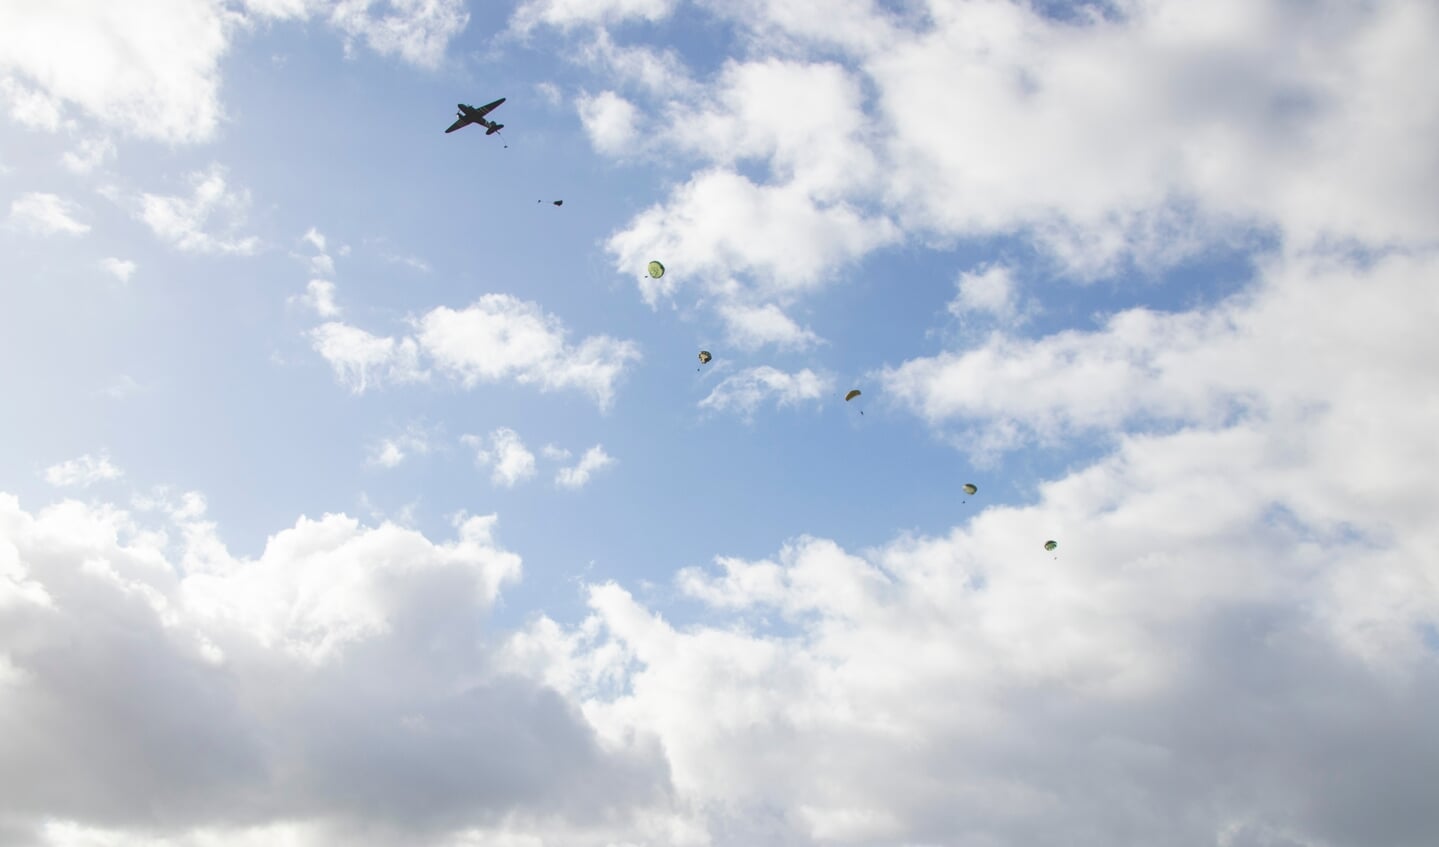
{"x": 457, "y": 124}
{"x": 489, "y": 107}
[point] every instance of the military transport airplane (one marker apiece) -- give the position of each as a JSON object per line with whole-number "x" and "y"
{"x": 470, "y": 115}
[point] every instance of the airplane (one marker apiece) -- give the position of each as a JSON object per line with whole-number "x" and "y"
{"x": 470, "y": 115}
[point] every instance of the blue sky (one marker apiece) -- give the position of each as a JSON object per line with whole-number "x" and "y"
{"x": 337, "y": 452}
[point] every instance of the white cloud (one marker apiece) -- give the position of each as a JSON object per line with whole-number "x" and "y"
{"x": 1314, "y": 322}
{"x": 498, "y": 337}
{"x": 566, "y": 14}
{"x": 45, "y": 214}
{"x": 502, "y": 337}
{"x": 505, "y": 453}
{"x": 967, "y": 687}
{"x": 320, "y": 296}
{"x": 743, "y": 392}
{"x": 314, "y": 238}
{"x": 577, "y": 477}
{"x": 89, "y": 154}
{"x": 29, "y": 107}
{"x": 720, "y": 224}
{"x": 554, "y": 452}
{"x": 752, "y": 327}
{"x": 183, "y": 221}
{"x": 989, "y": 290}
{"x": 338, "y": 647}
{"x": 121, "y": 269}
{"x": 390, "y": 452}
{"x": 83, "y": 471}
{"x": 153, "y": 70}
{"x": 1142, "y": 136}
{"x": 362, "y": 360}
{"x": 609, "y": 120}
{"x": 418, "y": 31}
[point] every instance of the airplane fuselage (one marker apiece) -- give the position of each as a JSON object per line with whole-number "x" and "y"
{"x": 470, "y": 115}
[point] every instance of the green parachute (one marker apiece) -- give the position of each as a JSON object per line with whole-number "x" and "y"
{"x": 1051, "y": 544}
{"x": 656, "y": 269}
{"x": 970, "y": 488}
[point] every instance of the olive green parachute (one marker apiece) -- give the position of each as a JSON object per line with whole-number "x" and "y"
{"x": 971, "y": 488}
{"x": 705, "y": 357}
{"x": 656, "y": 269}
{"x": 1050, "y": 545}
{"x": 853, "y": 393}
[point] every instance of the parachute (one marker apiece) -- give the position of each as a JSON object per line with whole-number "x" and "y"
{"x": 853, "y": 393}
{"x": 1050, "y": 545}
{"x": 704, "y": 358}
{"x": 970, "y": 488}
{"x": 656, "y": 269}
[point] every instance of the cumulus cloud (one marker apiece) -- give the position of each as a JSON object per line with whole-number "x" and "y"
{"x": 1139, "y": 137}
{"x": 567, "y": 14}
{"x": 83, "y": 54}
{"x": 45, "y": 214}
{"x": 505, "y": 454}
{"x": 609, "y": 120}
{"x": 83, "y": 471}
{"x": 578, "y": 476}
{"x": 362, "y": 360}
{"x": 121, "y": 269}
{"x": 752, "y": 327}
{"x": 1315, "y": 323}
{"x": 320, "y": 296}
{"x": 720, "y": 224}
{"x": 968, "y": 687}
{"x": 390, "y": 452}
{"x": 28, "y": 107}
{"x": 187, "y": 223}
{"x": 744, "y": 392}
{"x": 500, "y": 337}
{"x": 417, "y": 31}
{"x": 89, "y": 154}
{"x": 337, "y": 687}
{"x": 989, "y": 291}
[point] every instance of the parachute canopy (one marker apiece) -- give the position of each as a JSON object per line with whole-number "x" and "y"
{"x": 656, "y": 269}
{"x": 1050, "y": 545}
{"x": 970, "y": 488}
{"x": 559, "y": 202}
{"x": 705, "y": 357}
{"x": 853, "y": 393}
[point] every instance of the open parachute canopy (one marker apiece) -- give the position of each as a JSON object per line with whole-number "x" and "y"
{"x": 705, "y": 357}
{"x": 971, "y": 488}
{"x": 1051, "y": 544}
{"x": 853, "y": 393}
{"x": 656, "y": 269}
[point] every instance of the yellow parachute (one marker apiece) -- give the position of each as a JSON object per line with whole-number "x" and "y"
{"x": 853, "y": 393}
{"x": 704, "y": 358}
{"x": 656, "y": 269}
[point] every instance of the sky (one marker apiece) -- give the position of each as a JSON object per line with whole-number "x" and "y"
{"x": 353, "y": 492}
